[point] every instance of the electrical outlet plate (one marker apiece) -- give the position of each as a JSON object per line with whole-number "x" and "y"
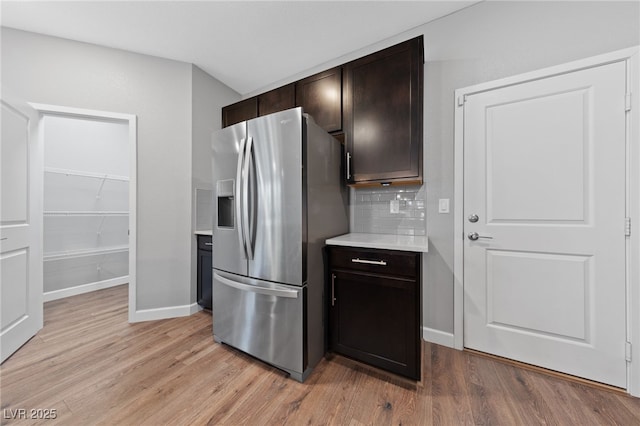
{"x": 443, "y": 205}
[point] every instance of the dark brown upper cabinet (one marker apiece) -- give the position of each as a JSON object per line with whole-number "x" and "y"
{"x": 240, "y": 111}
{"x": 277, "y": 100}
{"x": 321, "y": 97}
{"x": 383, "y": 97}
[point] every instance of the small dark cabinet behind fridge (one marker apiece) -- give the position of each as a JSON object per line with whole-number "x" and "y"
{"x": 204, "y": 271}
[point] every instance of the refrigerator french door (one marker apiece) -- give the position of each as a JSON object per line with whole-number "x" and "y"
{"x": 259, "y": 282}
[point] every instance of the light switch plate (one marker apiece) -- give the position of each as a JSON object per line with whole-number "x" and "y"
{"x": 394, "y": 206}
{"x": 443, "y": 205}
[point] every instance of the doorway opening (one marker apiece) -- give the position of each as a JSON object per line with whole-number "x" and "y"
{"x": 89, "y": 200}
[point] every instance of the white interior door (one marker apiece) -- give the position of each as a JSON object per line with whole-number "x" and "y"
{"x": 20, "y": 228}
{"x": 544, "y": 172}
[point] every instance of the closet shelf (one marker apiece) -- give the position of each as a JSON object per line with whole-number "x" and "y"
{"x": 86, "y": 213}
{"x": 72, "y": 254}
{"x": 85, "y": 174}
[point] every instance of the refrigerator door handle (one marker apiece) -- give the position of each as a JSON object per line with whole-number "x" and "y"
{"x": 246, "y": 225}
{"x": 278, "y": 292}
{"x": 238, "y": 197}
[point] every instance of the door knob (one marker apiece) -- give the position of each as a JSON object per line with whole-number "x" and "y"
{"x": 473, "y": 236}
{"x": 473, "y": 218}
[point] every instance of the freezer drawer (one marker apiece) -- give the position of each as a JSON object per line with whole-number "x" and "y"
{"x": 264, "y": 319}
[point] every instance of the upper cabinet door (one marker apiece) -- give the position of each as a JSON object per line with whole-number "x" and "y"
{"x": 383, "y": 115}
{"x": 277, "y": 100}
{"x": 240, "y": 111}
{"x": 321, "y": 97}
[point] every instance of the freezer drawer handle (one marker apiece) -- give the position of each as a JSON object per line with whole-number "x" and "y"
{"x": 208, "y": 244}
{"x": 292, "y": 294}
{"x": 370, "y": 262}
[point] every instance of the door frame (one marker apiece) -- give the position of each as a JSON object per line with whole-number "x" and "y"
{"x": 632, "y": 58}
{"x": 131, "y": 120}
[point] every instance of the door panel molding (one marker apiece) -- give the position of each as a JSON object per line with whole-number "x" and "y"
{"x": 630, "y": 57}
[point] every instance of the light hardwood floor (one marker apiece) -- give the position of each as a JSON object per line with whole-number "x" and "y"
{"x": 92, "y": 367}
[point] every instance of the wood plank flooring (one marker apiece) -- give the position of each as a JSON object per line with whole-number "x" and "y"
{"x": 92, "y": 367}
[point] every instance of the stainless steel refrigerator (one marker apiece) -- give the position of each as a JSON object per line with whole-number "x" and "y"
{"x": 278, "y": 196}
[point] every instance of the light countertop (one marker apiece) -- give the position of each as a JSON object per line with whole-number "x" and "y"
{"x": 417, "y": 243}
{"x": 207, "y": 232}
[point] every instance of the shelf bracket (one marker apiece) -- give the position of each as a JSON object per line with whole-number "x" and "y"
{"x": 99, "y": 193}
{"x": 99, "y": 231}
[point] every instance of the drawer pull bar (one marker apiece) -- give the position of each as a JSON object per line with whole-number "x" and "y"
{"x": 208, "y": 244}
{"x": 370, "y": 262}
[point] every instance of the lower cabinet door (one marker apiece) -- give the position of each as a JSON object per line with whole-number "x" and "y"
{"x": 205, "y": 280}
{"x": 375, "y": 319}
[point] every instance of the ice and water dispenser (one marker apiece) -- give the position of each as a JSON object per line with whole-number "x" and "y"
{"x": 226, "y": 203}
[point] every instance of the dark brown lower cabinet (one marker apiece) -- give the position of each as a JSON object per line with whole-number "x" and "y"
{"x": 374, "y": 308}
{"x": 205, "y": 273}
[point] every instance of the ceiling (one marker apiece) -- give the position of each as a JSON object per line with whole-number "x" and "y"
{"x": 247, "y": 45}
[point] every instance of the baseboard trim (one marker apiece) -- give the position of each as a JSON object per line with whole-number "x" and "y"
{"x": 438, "y": 337}
{"x": 165, "y": 313}
{"x": 84, "y": 288}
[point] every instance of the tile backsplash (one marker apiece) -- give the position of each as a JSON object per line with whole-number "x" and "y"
{"x": 204, "y": 209}
{"x": 372, "y": 210}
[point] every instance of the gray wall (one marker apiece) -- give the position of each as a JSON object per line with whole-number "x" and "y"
{"x": 208, "y": 98}
{"x": 159, "y": 91}
{"x": 484, "y": 42}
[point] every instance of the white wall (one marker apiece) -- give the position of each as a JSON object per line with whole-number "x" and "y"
{"x": 55, "y": 71}
{"x": 208, "y": 98}
{"x": 484, "y": 42}
{"x": 81, "y": 144}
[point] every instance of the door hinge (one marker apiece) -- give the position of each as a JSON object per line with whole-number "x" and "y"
{"x": 627, "y": 351}
{"x": 627, "y": 226}
{"x": 627, "y": 102}
{"x": 461, "y": 100}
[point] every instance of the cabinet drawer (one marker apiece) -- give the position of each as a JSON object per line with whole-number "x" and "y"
{"x": 205, "y": 242}
{"x": 385, "y": 262}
